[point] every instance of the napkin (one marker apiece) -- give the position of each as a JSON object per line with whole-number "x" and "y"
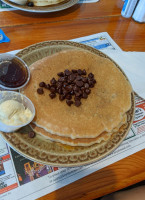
{"x": 133, "y": 65}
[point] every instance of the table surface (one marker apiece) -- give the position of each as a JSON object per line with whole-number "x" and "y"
{"x": 25, "y": 28}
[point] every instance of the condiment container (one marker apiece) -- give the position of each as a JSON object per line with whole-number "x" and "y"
{"x": 14, "y": 73}
{"x": 11, "y": 95}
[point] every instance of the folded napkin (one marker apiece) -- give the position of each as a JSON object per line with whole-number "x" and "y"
{"x": 133, "y": 64}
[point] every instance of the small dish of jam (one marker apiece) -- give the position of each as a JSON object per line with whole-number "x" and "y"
{"x": 14, "y": 73}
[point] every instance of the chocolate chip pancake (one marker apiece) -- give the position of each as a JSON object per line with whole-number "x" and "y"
{"x": 102, "y": 111}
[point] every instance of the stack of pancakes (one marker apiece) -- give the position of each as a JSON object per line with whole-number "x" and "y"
{"x": 102, "y": 113}
{"x": 45, "y": 2}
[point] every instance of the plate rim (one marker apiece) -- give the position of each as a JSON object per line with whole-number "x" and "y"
{"x": 47, "y": 9}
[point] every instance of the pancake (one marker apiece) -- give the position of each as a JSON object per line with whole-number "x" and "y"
{"x": 46, "y": 2}
{"x": 79, "y": 141}
{"x": 102, "y": 111}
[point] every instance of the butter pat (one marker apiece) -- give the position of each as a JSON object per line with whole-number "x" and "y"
{"x": 14, "y": 113}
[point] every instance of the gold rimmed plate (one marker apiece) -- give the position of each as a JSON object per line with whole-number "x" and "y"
{"x": 52, "y": 153}
{"x": 43, "y": 9}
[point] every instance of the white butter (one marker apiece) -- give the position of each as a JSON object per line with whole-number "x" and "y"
{"x": 14, "y": 113}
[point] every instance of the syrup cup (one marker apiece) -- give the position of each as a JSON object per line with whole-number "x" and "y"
{"x": 6, "y": 57}
{"x": 11, "y": 95}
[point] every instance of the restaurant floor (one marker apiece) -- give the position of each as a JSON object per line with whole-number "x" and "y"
{"x": 128, "y": 188}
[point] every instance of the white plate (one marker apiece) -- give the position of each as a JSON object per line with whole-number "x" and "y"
{"x": 43, "y": 9}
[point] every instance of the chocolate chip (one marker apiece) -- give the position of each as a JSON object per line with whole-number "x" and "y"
{"x": 87, "y": 91}
{"x": 91, "y": 84}
{"x": 78, "y": 78}
{"x": 42, "y": 84}
{"x": 80, "y": 72}
{"x": 53, "y": 81}
{"x": 69, "y": 102}
{"x": 55, "y": 86}
{"x": 47, "y": 86}
{"x": 30, "y": 4}
{"x": 69, "y": 81}
{"x": 84, "y": 72}
{"x": 74, "y": 70}
{"x": 61, "y": 97}
{"x": 31, "y": 134}
{"x": 59, "y": 85}
{"x": 61, "y": 79}
{"x": 69, "y": 88}
{"x": 77, "y": 94}
{"x": 80, "y": 91}
{"x": 72, "y": 92}
{"x": 60, "y": 91}
{"x": 65, "y": 92}
{"x": 72, "y": 77}
{"x": 79, "y": 83}
{"x": 90, "y": 75}
{"x": 84, "y": 79}
{"x": 85, "y": 96}
{"x": 86, "y": 85}
{"x": 94, "y": 81}
{"x": 75, "y": 88}
{"x": 65, "y": 84}
{"x": 60, "y": 74}
{"x": 52, "y": 89}
{"x": 77, "y": 103}
{"x": 52, "y": 95}
{"x": 77, "y": 98}
{"x": 82, "y": 88}
{"x": 69, "y": 97}
{"x": 40, "y": 91}
{"x": 67, "y": 72}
